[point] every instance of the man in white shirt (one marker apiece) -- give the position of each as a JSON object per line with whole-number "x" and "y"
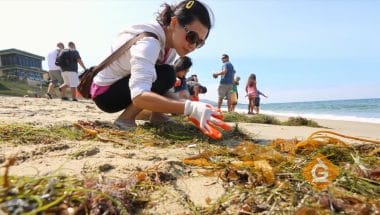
{"x": 54, "y": 71}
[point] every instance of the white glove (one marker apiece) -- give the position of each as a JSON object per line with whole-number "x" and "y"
{"x": 201, "y": 114}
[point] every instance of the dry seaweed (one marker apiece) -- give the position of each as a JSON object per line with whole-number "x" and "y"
{"x": 272, "y": 175}
{"x": 57, "y": 194}
{"x": 257, "y": 179}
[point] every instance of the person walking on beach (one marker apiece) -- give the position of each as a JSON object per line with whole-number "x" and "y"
{"x": 71, "y": 59}
{"x": 253, "y": 95}
{"x": 234, "y": 93}
{"x": 54, "y": 71}
{"x": 226, "y": 82}
{"x": 141, "y": 77}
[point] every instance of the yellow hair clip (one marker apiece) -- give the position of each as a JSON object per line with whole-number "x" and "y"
{"x": 189, "y": 4}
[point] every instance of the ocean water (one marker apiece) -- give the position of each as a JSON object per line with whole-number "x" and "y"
{"x": 361, "y": 110}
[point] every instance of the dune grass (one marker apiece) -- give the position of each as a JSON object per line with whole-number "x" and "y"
{"x": 300, "y": 121}
{"x": 266, "y": 119}
{"x": 259, "y": 118}
{"x": 20, "y": 88}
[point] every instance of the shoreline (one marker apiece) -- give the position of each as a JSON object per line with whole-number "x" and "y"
{"x": 317, "y": 116}
{"x": 327, "y": 117}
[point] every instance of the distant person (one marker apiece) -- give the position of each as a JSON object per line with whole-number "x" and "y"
{"x": 193, "y": 77}
{"x": 251, "y": 91}
{"x": 234, "y": 93}
{"x": 253, "y": 95}
{"x": 181, "y": 68}
{"x": 226, "y": 81}
{"x": 70, "y": 70}
{"x": 195, "y": 88}
{"x": 257, "y": 101}
{"x": 54, "y": 71}
{"x": 187, "y": 88}
{"x": 142, "y": 76}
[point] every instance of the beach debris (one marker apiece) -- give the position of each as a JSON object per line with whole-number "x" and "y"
{"x": 316, "y": 140}
{"x": 2, "y": 158}
{"x": 10, "y": 162}
{"x": 278, "y": 175}
{"x": 147, "y": 134}
{"x": 85, "y": 152}
{"x": 105, "y": 167}
{"x": 255, "y": 179}
{"x": 70, "y": 195}
{"x": 26, "y": 134}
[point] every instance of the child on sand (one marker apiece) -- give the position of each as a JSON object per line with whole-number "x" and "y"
{"x": 257, "y": 101}
{"x": 234, "y": 93}
{"x": 253, "y": 95}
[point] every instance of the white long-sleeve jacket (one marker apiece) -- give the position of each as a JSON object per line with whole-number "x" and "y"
{"x": 139, "y": 60}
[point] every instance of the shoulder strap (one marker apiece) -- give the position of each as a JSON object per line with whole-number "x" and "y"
{"x": 116, "y": 54}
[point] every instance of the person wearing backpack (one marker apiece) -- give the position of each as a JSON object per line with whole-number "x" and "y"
{"x": 55, "y": 75}
{"x": 68, "y": 60}
{"x": 142, "y": 76}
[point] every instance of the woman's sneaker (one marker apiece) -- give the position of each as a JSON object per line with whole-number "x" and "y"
{"x": 125, "y": 124}
{"x": 160, "y": 118}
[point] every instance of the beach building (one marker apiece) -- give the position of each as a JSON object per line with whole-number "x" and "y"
{"x": 21, "y": 65}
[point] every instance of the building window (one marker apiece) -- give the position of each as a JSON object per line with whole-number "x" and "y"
{"x": 5, "y": 60}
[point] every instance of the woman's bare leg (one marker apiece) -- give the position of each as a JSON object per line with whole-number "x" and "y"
{"x": 127, "y": 118}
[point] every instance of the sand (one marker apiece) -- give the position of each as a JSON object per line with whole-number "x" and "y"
{"x": 43, "y": 112}
{"x": 269, "y": 132}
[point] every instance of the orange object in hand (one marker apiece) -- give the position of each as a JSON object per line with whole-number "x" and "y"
{"x": 206, "y": 118}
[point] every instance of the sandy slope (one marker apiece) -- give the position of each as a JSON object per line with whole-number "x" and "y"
{"x": 40, "y": 159}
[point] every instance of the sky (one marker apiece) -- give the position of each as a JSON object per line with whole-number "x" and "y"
{"x": 300, "y": 50}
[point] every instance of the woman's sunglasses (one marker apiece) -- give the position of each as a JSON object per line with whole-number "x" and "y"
{"x": 193, "y": 37}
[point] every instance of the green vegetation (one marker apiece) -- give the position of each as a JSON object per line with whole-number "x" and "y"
{"x": 64, "y": 194}
{"x": 258, "y": 179}
{"x": 266, "y": 119}
{"x": 259, "y": 118}
{"x": 27, "y": 134}
{"x": 300, "y": 121}
{"x": 20, "y": 88}
{"x": 57, "y": 194}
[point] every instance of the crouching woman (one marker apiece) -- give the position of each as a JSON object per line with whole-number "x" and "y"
{"x": 141, "y": 77}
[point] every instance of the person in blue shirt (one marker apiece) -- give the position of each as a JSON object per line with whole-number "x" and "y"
{"x": 226, "y": 82}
